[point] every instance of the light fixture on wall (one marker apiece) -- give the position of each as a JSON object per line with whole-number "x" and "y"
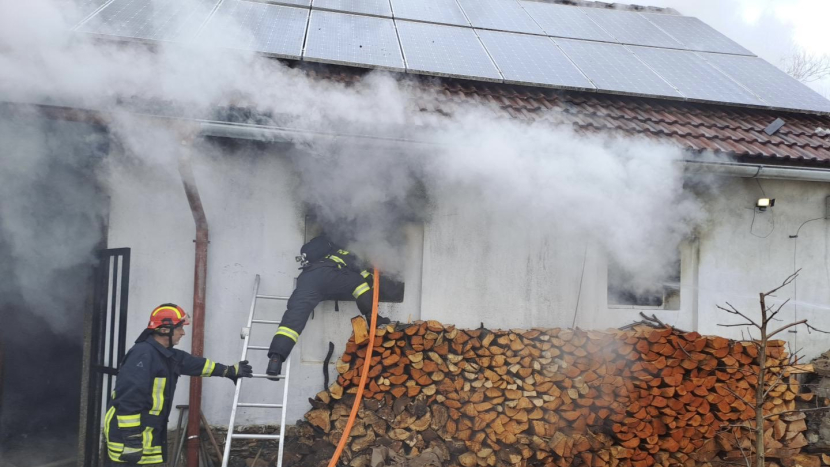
{"x": 764, "y": 203}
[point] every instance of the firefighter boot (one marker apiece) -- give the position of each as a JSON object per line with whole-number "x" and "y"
{"x": 274, "y": 367}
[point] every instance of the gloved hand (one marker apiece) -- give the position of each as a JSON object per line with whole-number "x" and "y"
{"x": 240, "y": 370}
{"x": 274, "y": 366}
{"x": 133, "y": 449}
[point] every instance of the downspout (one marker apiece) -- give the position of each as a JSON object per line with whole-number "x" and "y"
{"x": 199, "y": 291}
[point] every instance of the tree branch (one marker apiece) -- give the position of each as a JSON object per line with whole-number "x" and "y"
{"x": 787, "y": 326}
{"x": 734, "y": 311}
{"x": 786, "y": 282}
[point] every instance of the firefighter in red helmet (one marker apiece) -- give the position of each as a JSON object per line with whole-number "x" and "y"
{"x": 135, "y": 426}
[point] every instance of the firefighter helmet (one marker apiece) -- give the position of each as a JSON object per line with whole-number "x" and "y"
{"x": 168, "y": 315}
{"x": 316, "y": 249}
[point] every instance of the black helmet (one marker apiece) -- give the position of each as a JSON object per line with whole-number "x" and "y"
{"x": 316, "y": 249}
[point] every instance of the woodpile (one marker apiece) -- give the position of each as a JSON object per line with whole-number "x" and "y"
{"x": 560, "y": 397}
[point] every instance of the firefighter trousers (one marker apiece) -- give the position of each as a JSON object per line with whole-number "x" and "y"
{"x": 314, "y": 285}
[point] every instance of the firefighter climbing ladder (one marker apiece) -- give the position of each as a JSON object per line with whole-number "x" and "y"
{"x": 246, "y": 336}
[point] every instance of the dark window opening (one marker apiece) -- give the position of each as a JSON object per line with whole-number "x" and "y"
{"x": 623, "y": 291}
{"x": 391, "y": 290}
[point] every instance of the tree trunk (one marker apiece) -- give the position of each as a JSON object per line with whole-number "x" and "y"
{"x": 760, "y": 449}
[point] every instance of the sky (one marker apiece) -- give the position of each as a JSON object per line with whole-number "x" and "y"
{"x": 769, "y": 28}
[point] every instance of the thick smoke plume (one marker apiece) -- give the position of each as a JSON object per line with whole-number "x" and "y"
{"x": 625, "y": 195}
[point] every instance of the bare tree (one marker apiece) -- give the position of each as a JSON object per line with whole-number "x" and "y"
{"x": 769, "y": 376}
{"x": 806, "y": 67}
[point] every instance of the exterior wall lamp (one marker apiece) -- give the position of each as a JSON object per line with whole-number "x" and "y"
{"x": 764, "y": 203}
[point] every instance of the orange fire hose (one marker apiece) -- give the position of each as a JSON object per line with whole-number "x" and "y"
{"x": 366, "y": 363}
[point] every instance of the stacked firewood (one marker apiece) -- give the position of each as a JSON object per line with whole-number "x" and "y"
{"x": 558, "y": 397}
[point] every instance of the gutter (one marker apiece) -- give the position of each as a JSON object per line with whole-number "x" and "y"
{"x": 199, "y": 292}
{"x": 729, "y": 169}
{"x": 771, "y": 172}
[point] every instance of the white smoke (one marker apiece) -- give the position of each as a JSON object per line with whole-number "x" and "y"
{"x": 624, "y": 194}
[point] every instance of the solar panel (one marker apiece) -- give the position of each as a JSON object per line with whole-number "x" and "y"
{"x": 305, "y": 3}
{"x": 432, "y": 11}
{"x": 445, "y": 51}
{"x": 694, "y": 77}
{"x": 694, "y": 34}
{"x": 159, "y": 20}
{"x": 353, "y": 40}
{"x": 261, "y": 27}
{"x": 86, "y": 7}
{"x": 629, "y": 27}
{"x": 525, "y": 59}
{"x": 565, "y": 21}
{"x": 366, "y": 7}
{"x": 768, "y": 82}
{"x": 612, "y": 67}
{"x": 502, "y": 15}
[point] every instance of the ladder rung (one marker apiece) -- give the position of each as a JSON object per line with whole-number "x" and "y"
{"x": 260, "y": 375}
{"x": 252, "y": 436}
{"x": 272, "y": 297}
{"x": 264, "y": 321}
{"x": 258, "y": 347}
{"x": 258, "y": 404}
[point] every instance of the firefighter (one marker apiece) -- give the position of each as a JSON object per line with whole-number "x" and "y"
{"x": 328, "y": 271}
{"x": 135, "y": 426}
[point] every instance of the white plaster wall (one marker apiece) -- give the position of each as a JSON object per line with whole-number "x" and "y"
{"x": 462, "y": 268}
{"x": 256, "y": 227}
{"x": 736, "y": 266}
{"x": 485, "y": 269}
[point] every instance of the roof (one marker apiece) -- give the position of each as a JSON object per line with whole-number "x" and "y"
{"x": 730, "y": 131}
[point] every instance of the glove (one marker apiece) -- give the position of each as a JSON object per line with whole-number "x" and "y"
{"x": 240, "y": 370}
{"x": 133, "y": 449}
{"x": 274, "y": 366}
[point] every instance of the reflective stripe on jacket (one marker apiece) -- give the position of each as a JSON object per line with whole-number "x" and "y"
{"x": 143, "y": 397}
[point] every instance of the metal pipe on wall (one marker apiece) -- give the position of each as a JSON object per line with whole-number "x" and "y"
{"x": 772, "y": 172}
{"x": 199, "y": 292}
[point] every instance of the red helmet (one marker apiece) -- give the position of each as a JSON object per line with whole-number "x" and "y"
{"x": 168, "y": 315}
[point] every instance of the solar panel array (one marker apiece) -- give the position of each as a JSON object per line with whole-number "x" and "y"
{"x": 525, "y": 59}
{"x": 157, "y": 20}
{"x": 353, "y": 40}
{"x": 612, "y": 67}
{"x": 768, "y": 82}
{"x": 260, "y": 27}
{"x": 514, "y": 41}
{"x": 364, "y": 7}
{"x": 500, "y": 15}
{"x": 445, "y": 51}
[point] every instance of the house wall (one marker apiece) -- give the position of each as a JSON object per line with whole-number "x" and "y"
{"x": 736, "y": 265}
{"x": 462, "y": 268}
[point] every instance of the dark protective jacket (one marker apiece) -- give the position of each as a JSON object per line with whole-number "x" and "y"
{"x": 335, "y": 275}
{"x": 143, "y": 396}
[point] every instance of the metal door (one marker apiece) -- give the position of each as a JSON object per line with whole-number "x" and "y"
{"x": 107, "y": 343}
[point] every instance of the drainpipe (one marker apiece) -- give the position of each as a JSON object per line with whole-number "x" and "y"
{"x": 199, "y": 288}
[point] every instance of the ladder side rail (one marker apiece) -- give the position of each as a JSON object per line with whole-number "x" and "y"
{"x": 283, "y": 411}
{"x": 246, "y": 339}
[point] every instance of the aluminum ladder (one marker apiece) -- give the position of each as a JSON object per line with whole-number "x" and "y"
{"x": 246, "y": 336}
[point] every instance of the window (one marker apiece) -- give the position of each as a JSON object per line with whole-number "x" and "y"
{"x": 624, "y": 292}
